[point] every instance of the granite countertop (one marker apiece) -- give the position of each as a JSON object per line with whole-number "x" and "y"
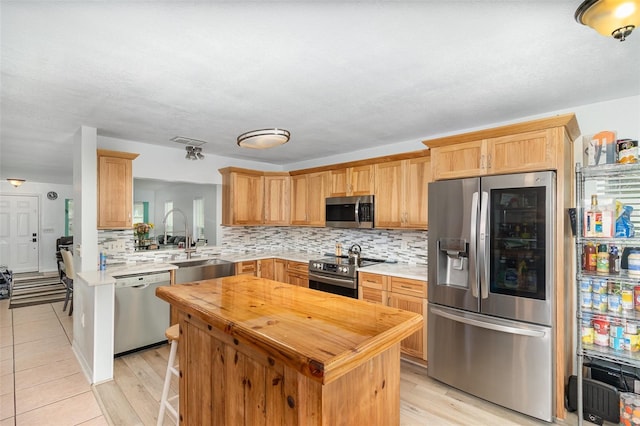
{"x": 295, "y": 256}
{"x": 321, "y": 335}
{"x": 402, "y": 270}
{"x": 95, "y": 278}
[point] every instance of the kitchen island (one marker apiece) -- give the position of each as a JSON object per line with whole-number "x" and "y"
{"x": 256, "y": 351}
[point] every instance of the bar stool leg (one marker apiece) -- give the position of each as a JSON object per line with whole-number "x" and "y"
{"x": 165, "y": 401}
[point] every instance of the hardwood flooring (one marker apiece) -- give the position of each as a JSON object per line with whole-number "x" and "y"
{"x": 132, "y": 398}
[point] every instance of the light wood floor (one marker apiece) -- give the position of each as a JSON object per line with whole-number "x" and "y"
{"x": 39, "y": 396}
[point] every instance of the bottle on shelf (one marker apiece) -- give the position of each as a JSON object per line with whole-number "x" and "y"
{"x": 593, "y": 220}
{"x": 602, "y": 259}
{"x": 614, "y": 260}
{"x": 589, "y": 260}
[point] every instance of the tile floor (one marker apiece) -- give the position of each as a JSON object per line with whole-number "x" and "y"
{"x": 41, "y": 382}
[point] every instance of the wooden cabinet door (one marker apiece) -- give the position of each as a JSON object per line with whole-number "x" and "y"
{"x": 276, "y": 200}
{"x": 416, "y": 344}
{"x": 416, "y": 195}
{"x": 248, "y": 193}
{"x": 459, "y": 160}
{"x": 298, "y": 273}
{"x": 338, "y": 183}
{"x": 299, "y": 200}
{"x": 266, "y": 268}
{"x": 280, "y": 270}
{"x": 316, "y": 194}
{"x": 247, "y": 267}
{"x": 388, "y": 197}
{"x": 525, "y": 152}
{"x": 362, "y": 180}
{"x": 115, "y": 190}
{"x": 372, "y": 288}
{"x": 351, "y": 181}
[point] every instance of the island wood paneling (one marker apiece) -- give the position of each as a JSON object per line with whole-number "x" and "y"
{"x": 263, "y": 352}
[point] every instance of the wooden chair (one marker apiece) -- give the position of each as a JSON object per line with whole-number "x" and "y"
{"x": 173, "y": 334}
{"x": 67, "y": 279}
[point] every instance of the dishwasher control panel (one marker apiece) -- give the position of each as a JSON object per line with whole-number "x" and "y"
{"x": 142, "y": 279}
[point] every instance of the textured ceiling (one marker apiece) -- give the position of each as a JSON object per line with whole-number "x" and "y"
{"x": 341, "y": 76}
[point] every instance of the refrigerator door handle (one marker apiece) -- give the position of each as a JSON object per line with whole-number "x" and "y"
{"x": 482, "y": 258}
{"x": 488, "y": 325}
{"x": 473, "y": 241}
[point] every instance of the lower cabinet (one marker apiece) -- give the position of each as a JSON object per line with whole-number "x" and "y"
{"x": 266, "y": 268}
{"x": 247, "y": 267}
{"x": 280, "y": 270}
{"x": 298, "y": 273}
{"x": 401, "y": 293}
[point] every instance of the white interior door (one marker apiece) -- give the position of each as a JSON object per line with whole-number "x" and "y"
{"x": 19, "y": 239}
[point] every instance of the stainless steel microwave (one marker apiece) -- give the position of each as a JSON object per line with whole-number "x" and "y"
{"x": 349, "y": 212}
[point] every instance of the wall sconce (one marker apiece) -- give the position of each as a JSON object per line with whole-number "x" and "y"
{"x": 263, "y": 138}
{"x": 615, "y": 18}
{"x": 15, "y": 182}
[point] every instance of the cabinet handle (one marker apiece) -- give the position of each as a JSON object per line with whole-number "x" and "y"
{"x": 482, "y": 161}
{"x": 489, "y": 161}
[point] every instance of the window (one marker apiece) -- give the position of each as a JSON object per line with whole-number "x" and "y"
{"x": 68, "y": 217}
{"x": 168, "y": 226}
{"x": 138, "y": 212}
{"x": 198, "y": 219}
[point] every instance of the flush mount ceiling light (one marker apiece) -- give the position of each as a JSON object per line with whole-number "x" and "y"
{"x": 194, "y": 153}
{"x": 15, "y": 182}
{"x": 263, "y": 138}
{"x": 615, "y": 18}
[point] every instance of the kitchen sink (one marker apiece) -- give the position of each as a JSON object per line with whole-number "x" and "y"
{"x": 202, "y": 269}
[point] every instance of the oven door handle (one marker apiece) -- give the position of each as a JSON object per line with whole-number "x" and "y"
{"x": 348, "y": 283}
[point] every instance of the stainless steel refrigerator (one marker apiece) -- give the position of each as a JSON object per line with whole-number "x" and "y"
{"x": 491, "y": 271}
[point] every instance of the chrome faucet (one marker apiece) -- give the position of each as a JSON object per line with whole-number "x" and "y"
{"x": 187, "y": 237}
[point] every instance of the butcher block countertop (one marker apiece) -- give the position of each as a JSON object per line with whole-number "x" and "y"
{"x": 321, "y": 335}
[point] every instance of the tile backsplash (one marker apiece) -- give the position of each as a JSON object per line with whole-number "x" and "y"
{"x": 401, "y": 246}
{"x": 398, "y": 245}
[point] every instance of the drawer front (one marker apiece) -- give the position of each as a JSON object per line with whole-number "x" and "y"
{"x": 298, "y": 267}
{"x": 374, "y": 295}
{"x": 247, "y": 267}
{"x": 368, "y": 280}
{"x": 409, "y": 287}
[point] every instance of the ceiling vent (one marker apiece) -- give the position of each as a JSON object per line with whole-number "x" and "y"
{"x": 187, "y": 141}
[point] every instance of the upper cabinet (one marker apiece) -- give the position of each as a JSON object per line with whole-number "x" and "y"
{"x": 308, "y": 192}
{"x": 242, "y": 196}
{"x": 277, "y": 193}
{"x": 401, "y": 195}
{"x": 115, "y": 189}
{"x": 351, "y": 181}
{"x": 253, "y": 197}
{"x": 525, "y": 147}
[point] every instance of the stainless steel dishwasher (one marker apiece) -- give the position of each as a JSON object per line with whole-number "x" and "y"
{"x": 141, "y": 318}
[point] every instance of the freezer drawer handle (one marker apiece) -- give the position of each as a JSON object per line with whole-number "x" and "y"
{"x": 490, "y": 326}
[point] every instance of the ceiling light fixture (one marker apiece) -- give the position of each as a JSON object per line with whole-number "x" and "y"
{"x": 15, "y": 182}
{"x": 264, "y": 138}
{"x": 615, "y": 18}
{"x": 194, "y": 153}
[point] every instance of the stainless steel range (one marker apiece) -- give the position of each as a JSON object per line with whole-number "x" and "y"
{"x": 337, "y": 275}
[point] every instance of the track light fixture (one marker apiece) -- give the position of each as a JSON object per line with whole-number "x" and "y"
{"x": 194, "y": 153}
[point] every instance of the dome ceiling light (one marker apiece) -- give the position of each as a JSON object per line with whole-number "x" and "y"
{"x": 264, "y": 138}
{"x": 15, "y": 182}
{"x": 616, "y": 18}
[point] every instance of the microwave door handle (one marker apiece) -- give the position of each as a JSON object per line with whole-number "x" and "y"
{"x": 472, "y": 244}
{"x": 484, "y": 238}
{"x": 358, "y": 212}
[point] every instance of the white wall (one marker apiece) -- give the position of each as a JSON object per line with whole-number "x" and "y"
{"x": 156, "y": 162}
{"x": 51, "y": 217}
{"x": 621, "y": 115}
